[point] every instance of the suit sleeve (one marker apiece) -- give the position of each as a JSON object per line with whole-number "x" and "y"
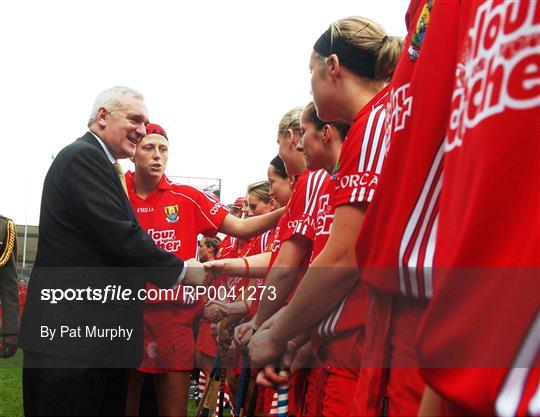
{"x": 97, "y": 201}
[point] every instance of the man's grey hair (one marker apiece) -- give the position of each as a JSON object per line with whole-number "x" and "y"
{"x": 110, "y": 99}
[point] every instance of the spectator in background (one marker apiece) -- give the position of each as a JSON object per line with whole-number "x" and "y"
{"x": 9, "y": 297}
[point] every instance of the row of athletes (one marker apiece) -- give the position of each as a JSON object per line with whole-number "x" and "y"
{"x": 394, "y": 242}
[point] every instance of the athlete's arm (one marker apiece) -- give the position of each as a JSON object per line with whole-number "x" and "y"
{"x": 282, "y": 275}
{"x": 237, "y": 266}
{"x": 329, "y": 278}
{"x": 252, "y": 226}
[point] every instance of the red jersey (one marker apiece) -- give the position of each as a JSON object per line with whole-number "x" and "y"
{"x": 300, "y": 213}
{"x": 397, "y": 241}
{"x": 487, "y": 288}
{"x": 353, "y": 181}
{"x": 173, "y": 215}
{"x": 299, "y": 218}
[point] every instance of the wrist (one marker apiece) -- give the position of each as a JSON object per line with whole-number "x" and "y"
{"x": 276, "y": 339}
{"x": 246, "y": 264}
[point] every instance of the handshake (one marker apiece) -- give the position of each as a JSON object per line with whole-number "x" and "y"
{"x": 198, "y": 274}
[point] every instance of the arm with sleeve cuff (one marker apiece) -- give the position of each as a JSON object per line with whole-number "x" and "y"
{"x": 95, "y": 198}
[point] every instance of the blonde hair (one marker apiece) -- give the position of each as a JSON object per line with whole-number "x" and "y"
{"x": 261, "y": 190}
{"x": 369, "y": 39}
{"x": 291, "y": 120}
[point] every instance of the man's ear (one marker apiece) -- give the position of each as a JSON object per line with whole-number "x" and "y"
{"x": 101, "y": 117}
{"x": 273, "y": 204}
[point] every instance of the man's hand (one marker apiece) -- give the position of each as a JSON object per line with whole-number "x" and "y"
{"x": 8, "y": 346}
{"x": 263, "y": 349}
{"x": 195, "y": 274}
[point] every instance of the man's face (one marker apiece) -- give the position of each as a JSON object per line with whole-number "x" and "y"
{"x": 124, "y": 127}
{"x": 151, "y": 156}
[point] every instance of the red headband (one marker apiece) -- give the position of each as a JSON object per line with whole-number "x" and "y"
{"x": 153, "y": 129}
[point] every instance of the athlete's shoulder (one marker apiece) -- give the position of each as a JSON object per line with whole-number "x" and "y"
{"x": 310, "y": 181}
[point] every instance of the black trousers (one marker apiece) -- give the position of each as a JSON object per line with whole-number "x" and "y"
{"x": 55, "y": 387}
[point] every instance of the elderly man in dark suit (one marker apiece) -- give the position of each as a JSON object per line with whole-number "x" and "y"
{"x": 82, "y": 324}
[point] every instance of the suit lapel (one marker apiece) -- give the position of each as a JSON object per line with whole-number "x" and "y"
{"x": 89, "y": 138}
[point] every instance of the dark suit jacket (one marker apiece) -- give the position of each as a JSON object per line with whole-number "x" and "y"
{"x": 89, "y": 237}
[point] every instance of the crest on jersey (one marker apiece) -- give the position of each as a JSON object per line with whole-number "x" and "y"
{"x": 171, "y": 214}
{"x": 420, "y": 31}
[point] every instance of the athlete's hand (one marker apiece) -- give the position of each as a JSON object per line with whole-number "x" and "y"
{"x": 195, "y": 274}
{"x": 216, "y": 267}
{"x": 268, "y": 377}
{"x": 263, "y": 349}
{"x": 213, "y": 313}
{"x": 223, "y": 308}
{"x": 299, "y": 359}
{"x": 243, "y": 333}
{"x": 224, "y": 335}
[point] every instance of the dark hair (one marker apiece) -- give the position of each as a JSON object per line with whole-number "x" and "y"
{"x": 278, "y": 164}
{"x": 311, "y": 114}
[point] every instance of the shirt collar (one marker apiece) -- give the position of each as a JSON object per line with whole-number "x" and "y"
{"x": 163, "y": 184}
{"x": 107, "y": 152}
{"x": 374, "y": 102}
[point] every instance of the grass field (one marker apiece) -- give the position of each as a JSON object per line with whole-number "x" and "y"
{"x": 11, "y": 386}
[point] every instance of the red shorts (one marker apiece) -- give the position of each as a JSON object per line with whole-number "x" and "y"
{"x": 206, "y": 343}
{"x": 328, "y": 393}
{"x": 169, "y": 344}
{"x": 389, "y": 382}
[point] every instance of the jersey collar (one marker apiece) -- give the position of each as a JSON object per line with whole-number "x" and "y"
{"x": 164, "y": 184}
{"x": 374, "y": 102}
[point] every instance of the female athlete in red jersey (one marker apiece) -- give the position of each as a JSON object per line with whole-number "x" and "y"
{"x": 295, "y": 233}
{"x": 207, "y": 249}
{"x": 173, "y": 216}
{"x": 351, "y": 63}
{"x": 258, "y": 201}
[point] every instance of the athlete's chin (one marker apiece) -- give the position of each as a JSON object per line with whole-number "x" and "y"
{"x": 152, "y": 173}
